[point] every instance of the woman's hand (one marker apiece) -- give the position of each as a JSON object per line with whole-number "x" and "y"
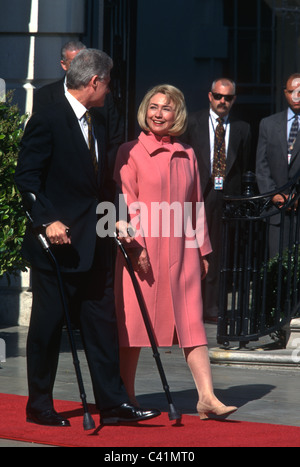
{"x": 138, "y": 255}
{"x": 139, "y": 258}
{"x": 204, "y": 267}
{"x": 125, "y": 231}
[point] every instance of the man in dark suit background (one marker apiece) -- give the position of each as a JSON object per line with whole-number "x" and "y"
{"x": 64, "y": 162}
{"x": 278, "y": 155}
{"x": 223, "y": 153}
{"x": 54, "y": 92}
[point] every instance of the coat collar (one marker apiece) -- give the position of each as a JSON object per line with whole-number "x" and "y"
{"x": 155, "y": 145}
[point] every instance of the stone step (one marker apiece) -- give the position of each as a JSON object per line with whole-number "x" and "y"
{"x": 263, "y": 355}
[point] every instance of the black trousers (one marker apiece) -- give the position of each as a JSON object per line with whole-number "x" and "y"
{"x": 210, "y": 285}
{"x": 91, "y": 295}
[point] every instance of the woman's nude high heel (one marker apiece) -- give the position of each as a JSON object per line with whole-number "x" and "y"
{"x": 221, "y": 411}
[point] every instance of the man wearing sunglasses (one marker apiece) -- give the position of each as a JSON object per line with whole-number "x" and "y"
{"x": 222, "y": 146}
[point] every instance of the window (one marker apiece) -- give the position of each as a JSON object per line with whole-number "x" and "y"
{"x": 251, "y": 39}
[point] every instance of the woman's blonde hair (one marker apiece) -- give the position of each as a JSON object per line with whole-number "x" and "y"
{"x": 173, "y": 94}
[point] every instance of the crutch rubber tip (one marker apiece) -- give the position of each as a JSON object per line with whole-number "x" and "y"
{"x": 88, "y": 422}
{"x": 174, "y": 414}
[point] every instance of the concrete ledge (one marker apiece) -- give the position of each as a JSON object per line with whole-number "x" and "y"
{"x": 15, "y": 300}
{"x": 282, "y": 358}
{"x": 293, "y": 333}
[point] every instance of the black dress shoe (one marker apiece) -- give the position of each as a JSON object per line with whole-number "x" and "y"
{"x": 127, "y": 413}
{"x": 47, "y": 418}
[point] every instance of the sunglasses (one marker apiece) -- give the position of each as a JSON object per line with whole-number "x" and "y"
{"x": 218, "y": 97}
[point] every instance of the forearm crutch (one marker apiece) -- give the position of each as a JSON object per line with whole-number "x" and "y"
{"x": 174, "y": 414}
{"x": 88, "y": 422}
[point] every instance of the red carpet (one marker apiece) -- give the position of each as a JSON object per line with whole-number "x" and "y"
{"x": 159, "y": 432}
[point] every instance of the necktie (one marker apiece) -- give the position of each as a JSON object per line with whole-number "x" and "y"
{"x": 219, "y": 163}
{"x": 91, "y": 141}
{"x": 292, "y": 136}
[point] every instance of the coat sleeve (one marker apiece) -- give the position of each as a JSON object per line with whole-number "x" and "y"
{"x": 264, "y": 178}
{"x": 30, "y": 175}
{"x": 126, "y": 178}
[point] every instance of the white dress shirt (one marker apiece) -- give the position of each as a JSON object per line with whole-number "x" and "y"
{"x": 79, "y": 110}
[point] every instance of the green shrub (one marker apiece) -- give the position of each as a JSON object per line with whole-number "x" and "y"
{"x": 12, "y": 219}
{"x": 290, "y": 272}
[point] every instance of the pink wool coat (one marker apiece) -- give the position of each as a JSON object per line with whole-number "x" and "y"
{"x": 162, "y": 174}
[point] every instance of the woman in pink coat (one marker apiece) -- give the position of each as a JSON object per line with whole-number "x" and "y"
{"x": 159, "y": 181}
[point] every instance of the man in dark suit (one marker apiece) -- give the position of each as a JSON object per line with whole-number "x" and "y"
{"x": 278, "y": 155}
{"x": 64, "y": 163}
{"x": 222, "y": 149}
{"x": 54, "y": 92}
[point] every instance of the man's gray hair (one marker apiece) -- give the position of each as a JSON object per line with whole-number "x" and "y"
{"x": 224, "y": 82}
{"x": 86, "y": 64}
{"x": 71, "y": 46}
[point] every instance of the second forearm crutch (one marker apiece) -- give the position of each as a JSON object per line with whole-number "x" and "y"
{"x": 174, "y": 414}
{"x": 88, "y": 422}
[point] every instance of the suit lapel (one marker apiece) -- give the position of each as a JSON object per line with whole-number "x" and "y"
{"x": 204, "y": 141}
{"x": 296, "y": 150}
{"x": 294, "y": 164}
{"x": 234, "y": 139}
{"x": 296, "y": 147}
{"x": 282, "y": 133}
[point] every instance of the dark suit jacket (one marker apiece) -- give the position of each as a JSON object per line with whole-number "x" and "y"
{"x": 238, "y": 156}
{"x": 56, "y": 165}
{"x": 48, "y": 94}
{"x": 54, "y": 92}
{"x": 272, "y": 169}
